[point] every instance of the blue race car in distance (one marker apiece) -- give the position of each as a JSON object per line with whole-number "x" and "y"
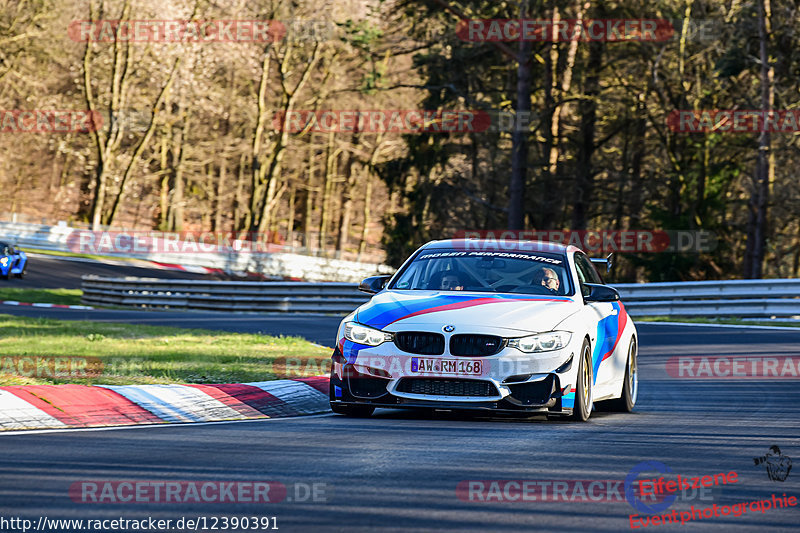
{"x": 12, "y": 261}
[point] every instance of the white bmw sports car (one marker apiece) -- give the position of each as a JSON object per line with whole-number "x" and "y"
{"x": 464, "y": 325}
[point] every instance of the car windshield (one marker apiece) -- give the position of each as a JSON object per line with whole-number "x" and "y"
{"x": 479, "y": 271}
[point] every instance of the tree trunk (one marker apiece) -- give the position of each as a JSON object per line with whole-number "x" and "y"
{"x": 163, "y": 223}
{"x": 368, "y": 178}
{"x": 796, "y": 257}
{"x": 309, "y": 203}
{"x": 551, "y": 196}
{"x": 290, "y": 221}
{"x": 239, "y": 207}
{"x": 757, "y": 220}
{"x": 178, "y": 157}
{"x": 365, "y": 215}
{"x": 142, "y": 144}
{"x": 350, "y": 184}
{"x": 307, "y": 218}
{"x": 98, "y": 136}
{"x": 330, "y": 172}
{"x": 344, "y": 225}
{"x": 584, "y": 180}
{"x": 271, "y": 194}
{"x": 519, "y": 139}
{"x": 107, "y": 142}
{"x": 258, "y": 169}
{"x": 216, "y": 210}
{"x": 636, "y": 203}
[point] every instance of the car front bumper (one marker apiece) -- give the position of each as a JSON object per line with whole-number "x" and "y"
{"x": 354, "y": 383}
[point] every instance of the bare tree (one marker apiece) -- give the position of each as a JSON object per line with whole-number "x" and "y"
{"x": 764, "y": 171}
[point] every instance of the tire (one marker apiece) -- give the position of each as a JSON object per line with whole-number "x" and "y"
{"x": 630, "y": 385}
{"x": 356, "y": 411}
{"x": 583, "y": 385}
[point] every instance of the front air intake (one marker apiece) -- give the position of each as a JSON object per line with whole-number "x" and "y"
{"x": 420, "y": 342}
{"x": 472, "y": 345}
{"x": 447, "y": 387}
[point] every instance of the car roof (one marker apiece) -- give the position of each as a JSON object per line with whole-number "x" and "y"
{"x": 501, "y": 245}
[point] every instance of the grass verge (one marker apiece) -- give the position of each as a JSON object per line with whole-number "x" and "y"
{"x": 47, "y": 296}
{"x": 730, "y": 321}
{"x": 127, "y": 354}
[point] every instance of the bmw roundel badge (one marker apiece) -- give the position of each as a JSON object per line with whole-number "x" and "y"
{"x": 448, "y": 328}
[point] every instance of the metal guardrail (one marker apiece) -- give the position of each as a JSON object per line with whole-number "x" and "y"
{"x": 765, "y": 298}
{"x": 37, "y": 236}
{"x": 748, "y": 298}
{"x": 242, "y": 296}
{"x": 755, "y": 288}
{"x": 279, "y": 263}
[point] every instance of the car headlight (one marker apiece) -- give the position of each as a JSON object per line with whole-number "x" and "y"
{"x": 543, "y": 342}
{"x": 353, "y": 331}
{"x": 3, "y": 261}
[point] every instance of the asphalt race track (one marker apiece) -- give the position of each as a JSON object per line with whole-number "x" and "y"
{"x": 54, "y": 272}
{"x": 399, "y": 471}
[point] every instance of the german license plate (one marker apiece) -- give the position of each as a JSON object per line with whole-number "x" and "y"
{"x": 445, "y": 366}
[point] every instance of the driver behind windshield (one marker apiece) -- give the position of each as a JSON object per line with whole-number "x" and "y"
{"x": 548, "y": 278}
{"x": 446, "y": 281}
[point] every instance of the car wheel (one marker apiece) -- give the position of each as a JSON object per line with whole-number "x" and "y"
{"x": 357, "y": 411}
{"x": 583, "y": 386}
{"x": 630, "y": 385}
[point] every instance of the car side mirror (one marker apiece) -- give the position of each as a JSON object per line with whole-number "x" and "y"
{"x": 373, "y": 284}
{"x": 600, "y": 293}
{"x": 606, "y": 262}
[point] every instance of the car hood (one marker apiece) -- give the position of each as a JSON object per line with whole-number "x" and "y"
{"x": 485, "y": 312}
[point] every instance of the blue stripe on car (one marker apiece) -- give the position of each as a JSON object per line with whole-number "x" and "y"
{"x": 607, "y": 334}
{"x": 350, "y": 350}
